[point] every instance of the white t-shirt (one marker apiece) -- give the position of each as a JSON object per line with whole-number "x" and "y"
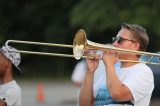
{"x": 100, "y": 71}
{"x": 138, "y": 78}
{"x": 11, "y": 93}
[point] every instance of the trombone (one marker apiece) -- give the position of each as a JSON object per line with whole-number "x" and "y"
{"x": 80, "y": 44}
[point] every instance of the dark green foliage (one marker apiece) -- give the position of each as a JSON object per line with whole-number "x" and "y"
{"x": 56, "y": 21}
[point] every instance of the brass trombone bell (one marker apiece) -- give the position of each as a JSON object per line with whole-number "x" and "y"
{"x": 80, "y": 44}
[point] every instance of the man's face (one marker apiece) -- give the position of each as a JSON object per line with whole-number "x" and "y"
{"x": 124, "y": 40}
{"x": 4, "y": 62}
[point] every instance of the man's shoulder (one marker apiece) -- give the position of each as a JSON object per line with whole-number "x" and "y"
{"x": 11, "y": 92}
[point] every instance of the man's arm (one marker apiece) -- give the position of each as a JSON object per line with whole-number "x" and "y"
{"x": 86, "y": 97}
{"x": 118, "y": 91}
{"x": 86, "y": 93}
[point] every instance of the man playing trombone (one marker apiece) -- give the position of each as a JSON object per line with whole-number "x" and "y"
{"x": 131, "y": 84}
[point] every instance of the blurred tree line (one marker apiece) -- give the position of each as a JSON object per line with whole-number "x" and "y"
{"x": 56, "y": 21}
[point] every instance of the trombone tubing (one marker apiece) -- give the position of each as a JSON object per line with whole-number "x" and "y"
{"x": 38, "y": 43}
{"x": 103, "y": 47}
{"x": 60, "y": 55}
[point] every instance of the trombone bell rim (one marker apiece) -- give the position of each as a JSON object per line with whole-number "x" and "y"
{"x": 79, "y": 44}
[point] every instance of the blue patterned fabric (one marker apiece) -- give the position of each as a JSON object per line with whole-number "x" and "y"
{"x": 103, "y": 97}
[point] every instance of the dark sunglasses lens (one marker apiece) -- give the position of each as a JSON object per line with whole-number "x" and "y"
{"x": 119, "y": 40}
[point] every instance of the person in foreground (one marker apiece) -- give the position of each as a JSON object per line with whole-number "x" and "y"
{"x": 10, "y": 91}
{"x": 131, "y": 84}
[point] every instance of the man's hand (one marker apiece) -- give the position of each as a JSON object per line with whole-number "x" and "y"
{"x": 110, "y": 58}
{"x": 92, "y": 64}
{"x": 2, "y": 103}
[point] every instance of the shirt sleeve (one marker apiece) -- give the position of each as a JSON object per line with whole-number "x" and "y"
{"x": 140, "y": 83}
{"x": 11, "y": 96}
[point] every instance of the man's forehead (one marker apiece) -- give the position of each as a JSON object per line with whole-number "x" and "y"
{"x": 3, "y": 57}
{"x": 123, "y": 32}
{"x": 1, "y": 54}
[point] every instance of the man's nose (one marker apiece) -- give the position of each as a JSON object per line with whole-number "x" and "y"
{"x": 115, "y": 43}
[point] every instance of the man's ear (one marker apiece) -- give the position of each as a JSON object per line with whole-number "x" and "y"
{"x": 137, "y": 46}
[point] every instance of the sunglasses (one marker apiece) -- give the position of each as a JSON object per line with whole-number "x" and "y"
{"x": 120, "y": 40}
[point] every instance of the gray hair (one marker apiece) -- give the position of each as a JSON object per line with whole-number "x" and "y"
{"x": 139, "y": 34}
